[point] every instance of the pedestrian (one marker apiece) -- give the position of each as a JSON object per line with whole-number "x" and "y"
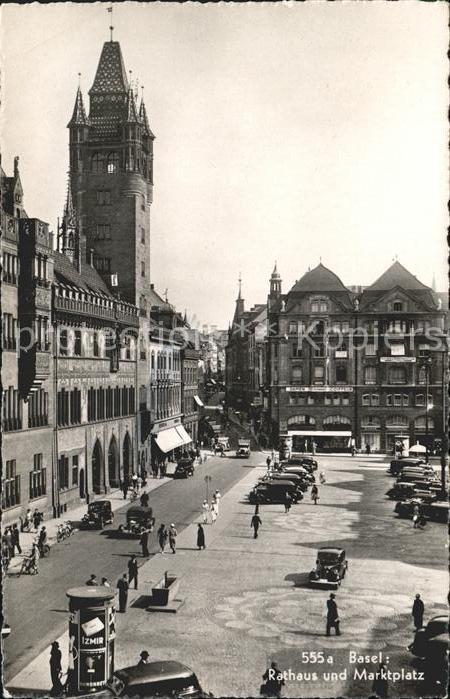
{"x": 15, "y": 539}
{"x": 273, "y": 681}
{"x": 287, "y": 502}
{"x": 416, "y": 515}
{"x": 123, "y": 587}
{"x": 92, "y": 582}
{"x": 105, "y": 582}
{"x": 314, "y": 493}
{"x": 255, "y": 523}
{"x": 217, "y": 497}
{"x": 162, "y": 470}
{"x": 144, "y": 477}
{"x": 34, "y": 558}
{"x": 322, "y": 477}
{"x": 214, "y": 511}
{"x": 313, "y": 447}
{"x": 380, "y": 683}
{"x": 125, "y": 488}
{"x": 332, "y": 615}
{"x": 205, "y": 510}
{"x": 36, "y": 519}
{"x": 138, "y": 483}
{"x": 70, "y": 686}
{"x": 9, "y": 541}
{"x": 368, "y": 449}
{"x": 133, "y": 572}
{"x": 418, "y": 610}
{"x": 144, "y": 658}
{"x": 162, "y": 537}
{"x": 56, "y": 670}
{"x": 28, "y": 520}
{"x": 144, "y": 543}
{"x": 134, "y": 481}
{"x": 268, "y": 462}
{"x": 173, "y": 538}
{"x": 144, "y": 499}
{"x": 155, "y": 469}
{"x": 42, "y": 540}
{"x": 200, "y": 537}
{"x": 352, "y": 450}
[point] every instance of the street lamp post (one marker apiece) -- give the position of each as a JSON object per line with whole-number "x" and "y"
{"x": 425, "y": 364}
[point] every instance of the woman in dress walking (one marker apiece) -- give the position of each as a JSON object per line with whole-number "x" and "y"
{"x": 162, "y": 537}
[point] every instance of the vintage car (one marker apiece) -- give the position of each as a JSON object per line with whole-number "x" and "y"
{"x": 437, "y": 626}
{"x": 161, "y": 678}
{"x": 98, "y": 514}
{"x": 222, "y": 444}
{"x": 306, "y": 461}
{"x": 434, "y": 510}
{"x": 184, "y": 468}
{"x": 299, "y": 470}
{"x": 397, "y": 465}
{"x": 273, "y": 492}
{"x": 405, "y": 491}
{"x": 282, "y": 478}
{"x": 331, "y": 567}
{"x": 243, "y": 450}
{"x": 138, "y": 519}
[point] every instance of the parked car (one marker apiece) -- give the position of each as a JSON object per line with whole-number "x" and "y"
{"x": 406, "y": 491}
{"x": 223, "y": 444}
{"x": 436, "y": 510}
{"x": 98, "y": 514}
{"x": 299, "y": 481}
{"x": 307, "y": 461}
{"x": 397, "y": 465}
{"x": 162, "y": 678}
{"x": 138, "y": 519}
{"x": 437, "y": 626}
{"x": 281, "y": 478}
{"x": 331, "y": 567}
{"x": 301, "y": 471}
{"x": 273, "y": 492}
{"x": 243, "y": 450}
{"x": 184, "y": 468}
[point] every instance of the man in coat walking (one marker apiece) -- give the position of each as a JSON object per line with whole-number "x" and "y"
{"x": 123, "y": 586}
{"x": 133, "y": 572}
{"x": 144, "y": 543}
{"x": 15, "y": 539}
{"x": 332, "y": 615}
{"x": 418, "y": 610}
{"x": 255, "y": 523}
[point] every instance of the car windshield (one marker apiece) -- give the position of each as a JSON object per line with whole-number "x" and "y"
{"x": 328, "y": 557}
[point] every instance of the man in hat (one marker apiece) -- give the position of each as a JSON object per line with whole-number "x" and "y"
{"x": 173, "y": 538}
{"x": 123, "y": 586}
{"x": 332, "y": 615}
{"x": 92, "y": 582}
{"x": 144, "y": 658}
{"x": 133, "y": 572}
{"x": 417, "y": 612}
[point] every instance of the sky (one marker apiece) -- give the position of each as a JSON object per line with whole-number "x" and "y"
{"x": 292, "y": 132}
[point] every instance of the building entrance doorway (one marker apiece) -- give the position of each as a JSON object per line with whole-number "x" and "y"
{"x": 113, "y": 463}
{"x": 98, "y": 478}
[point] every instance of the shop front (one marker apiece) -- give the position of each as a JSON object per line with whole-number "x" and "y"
{"x": 168, "y": 441}
{"x": 320, "y": 441}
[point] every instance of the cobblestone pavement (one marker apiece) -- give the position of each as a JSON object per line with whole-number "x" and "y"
{"x": 247, "y": 601}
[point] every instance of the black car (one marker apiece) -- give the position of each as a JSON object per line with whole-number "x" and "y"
{"x": 273, "y": 492}
{"x": 306, "y": 461}
{"x": 437, "y": 626}
{"x": 99, "y": 513}
{"x": 331, "y": 567}
{"x": 162, "y": 678}
{"x": 184, "y": 468}
{"x": 436, "y": 510}
{"x": 397, "y": 465}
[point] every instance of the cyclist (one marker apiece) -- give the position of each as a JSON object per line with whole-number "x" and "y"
{"x": 30, "y": 563}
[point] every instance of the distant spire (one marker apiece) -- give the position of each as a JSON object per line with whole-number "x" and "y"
{"x": 68, "y": 207}
{"x": 240, "y": 287}
{"x": 111, "y": 26}
{"x": 275, "y": 273}
{"x": 132, "y": 115}
{"x": 79, "y": 117}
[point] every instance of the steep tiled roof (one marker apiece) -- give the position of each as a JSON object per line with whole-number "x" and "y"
{"x": 111, "y": 75}
{"x": 88, "y": 278}
{"x": 319, "y": 279}
{"x": 144, "y": 119}
{"x": 396, "y": 275}
{"x": 79, "y": 117}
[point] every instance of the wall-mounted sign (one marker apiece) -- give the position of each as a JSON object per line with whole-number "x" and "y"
{"x": 397, "y": 360}
{"x": 319, "y": 389}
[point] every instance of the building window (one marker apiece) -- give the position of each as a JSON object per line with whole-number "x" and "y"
{"x": 398, "y": 306}
{"x": 370, "y": 350}
{"x": 319, "y": 306}
{"x": 77, "y": 343}
{"x": 397, "y": 400}
{"x": 10, "y": 268}
{"x": 113, "y": 163}
{"x": 420, "y": 399}
{"x": 101, "y": 404}
{"x": 63, "y": 342}
{"x": 319, "y": 374}
{"x": 95, "y": 345}
{"x": 11, "y": 486}
{"x": 366, "y": 399}
{"x": 103, "y": 197}
{"x": 297, "y": 374}
{"x": 75, "y": 470}
{"x": 370, "y": 375}
{"x": 375, "y": 399}
{"x": 63, "y": 407}
{"x": 103, "y": 231}
{"x": 345, "y": 399}
{"x": 297, "y": 350}
{"x": 12, "y": 410}
{"x": 310, "y": 400}
{"x": 142, "y": 269}
{"x": 405, "y": 400}
{"x": 319, "y": 350}
{"x": 97, "y": 163}
{"x": 38, "y": 408}
{"x": 341, "y": 373}
{"x": 397, "y": 421}
{"x": 75, "y": 407}
{"x": 63, "y": 472}
{"x": 397, "y": 375}
{"x": 420, "y": 423}
{"x": 398, "y": 350}
{"x": 396, "y": 326}
{"x": 38, "y": 480}
{"x": 9, "y": 327}
{"x": 92, "y": 405}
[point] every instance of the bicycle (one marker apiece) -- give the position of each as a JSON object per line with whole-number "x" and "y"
{"x": 28, "y": 567}
{"x": 69, "y": 529}
{"x": 60, "y": 533}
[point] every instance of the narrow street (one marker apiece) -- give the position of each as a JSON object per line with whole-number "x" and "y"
{"x": 36, "y": 606}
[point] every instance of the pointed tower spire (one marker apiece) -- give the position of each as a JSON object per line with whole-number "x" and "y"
{"x": 79, "y": 117}
{"x": 132, "y": 115}
{"x": 239, "y": 310}
{"x": 274, "y": 287}
{"x": 68, "y": 231}
{"x": 143, "y": 117}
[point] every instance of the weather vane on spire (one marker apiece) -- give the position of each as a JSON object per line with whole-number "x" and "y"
{"x": 79, "y": 79}
{"x": 111, "y": 26}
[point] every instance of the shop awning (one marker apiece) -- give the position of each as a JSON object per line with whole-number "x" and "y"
{"x": 319, "y": 433}
{"x": 169, "y": 439}
{"x": 183, "y": 435}
{"x": 198, "y": 401}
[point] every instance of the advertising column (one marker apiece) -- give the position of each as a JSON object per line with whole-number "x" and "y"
{"x": 91, "y": 638}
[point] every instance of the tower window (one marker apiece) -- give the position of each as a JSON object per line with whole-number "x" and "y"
{"x": 103, "y": 197}
{"x": 142, "y": 269}
{"x": 113, "y": 163}
{"x": 103, "y": 231}
{"x": 97, "y": 163}
{"x": 142, "y": 235}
